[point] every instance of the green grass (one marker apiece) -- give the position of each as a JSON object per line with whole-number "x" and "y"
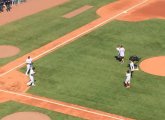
{"x": 86, "y": 73}
{"x": 8, "y": 108}
{"x": 39, "y": 29}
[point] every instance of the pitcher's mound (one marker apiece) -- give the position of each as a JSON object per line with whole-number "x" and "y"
{"x": 27, "y": 116}
{"x": 155, "y": 65}
{"x": 8, "y": 51}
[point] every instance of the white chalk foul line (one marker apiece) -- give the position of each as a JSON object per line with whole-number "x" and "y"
{"x": 60, "y": 104}
{"x": 18, "y": 66}
{"x": 77, "y": 36}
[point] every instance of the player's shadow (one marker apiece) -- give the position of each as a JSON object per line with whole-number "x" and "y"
{"x": 117, "y": 58}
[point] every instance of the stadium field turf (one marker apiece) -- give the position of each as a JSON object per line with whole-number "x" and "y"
{"x": 86, "y": 73}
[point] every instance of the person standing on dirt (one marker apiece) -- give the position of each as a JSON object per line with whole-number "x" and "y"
{"x": 1, "y": 5}
{"x": 28, "y": 65}
{"x": 8, "y": 5}
{"x": 13, "y": 2}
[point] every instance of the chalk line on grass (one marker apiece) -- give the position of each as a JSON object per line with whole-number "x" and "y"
{"x": 60, "y": 104}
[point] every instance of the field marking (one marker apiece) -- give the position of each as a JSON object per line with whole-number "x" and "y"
{"x": 126, "y": 11}
{"x": 77, "y": 36}
{"x": 18, "y": 66}
{"x": 60, "y": 104}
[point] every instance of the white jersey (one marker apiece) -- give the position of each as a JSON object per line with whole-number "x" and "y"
{"x": 132, "y": 66}
{"x": 32, "y": 72}
{"x": 122, "y": 52}
{"x": 118, "y": 50}
{"x": 128, "y": 76}
{"x": 29, "y": 61}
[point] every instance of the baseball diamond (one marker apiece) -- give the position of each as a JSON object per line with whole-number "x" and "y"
{"x": 72, "y": 60}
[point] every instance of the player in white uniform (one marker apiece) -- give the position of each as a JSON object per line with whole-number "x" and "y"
{"x": 122, "y": 53}
{"x": 31, "y": 76}
{"x": 28, "y": 65}
{"x": 128, "y": 79}
{"x": 132, "y": 67}
{"x": 118, "y": 48}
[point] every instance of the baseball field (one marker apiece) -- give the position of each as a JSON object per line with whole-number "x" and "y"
{"x": 77, "y": 76}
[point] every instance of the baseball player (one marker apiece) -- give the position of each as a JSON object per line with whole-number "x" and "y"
{"x": 118, "y": 48}
{"x": 28, "y": 65}
{"x": 8, "y": 3}
{"x": 128, "y": 79}
{"x": 132, "y": 67}
{"x": 31, "y": 76}
{"x": 121, "y": 53}
{"x": 118, "y": 54}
